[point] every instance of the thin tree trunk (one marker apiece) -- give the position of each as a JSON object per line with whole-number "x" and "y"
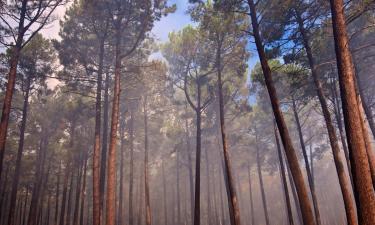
{"x": 366, "y": 108}
{"x": 146, "y": 173}
{"x": 337, "y": 110}
{"x": 33, "y": 216}
{"x": 64, "y": 197}
{"x": 283, "y": 179}
{"x": 216, "y": 215}
{"x": 131, "y": 169}
{"x": 69, "y": 204}
{"x": 57, "y": 195}
{"x": 140, "y": 200}
{"x": 233, "y": 200}
{"x": 3, "y": 192}
{"x": 209, "y": 219}
{"x": 23, "y": 221}
{"x": 198, "y": 158}
{"x": 164, "y": 195}
{"x": 307, "y": 165}
{"x": 190, "y": 165}
{"x": 222, "y": 204}
{"x": 306, "y": 209}
{"x": 78, "y": 193}
{"x": 363, "y": 185}
{"x": 17, "y": 171}
{"x": 252, "y": 215}
{"x": 343, "y": 179}
{"x": 111, "y": 170}
{"x": 83, "y": 192}
{"x": 96, "y": 178}
{"x": 263, "y": 193}
{"x": 121, "y": 194}
{"x": 178, "y": 187}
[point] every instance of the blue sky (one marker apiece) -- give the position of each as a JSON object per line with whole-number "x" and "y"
{"x": 176, "y": 21}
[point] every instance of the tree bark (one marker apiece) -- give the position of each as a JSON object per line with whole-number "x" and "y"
{"x": 190, "y": 165}
{"x": 78, "y": 193}
{"x": 15, "y": 55}
{"x": 83, "y": 192}
{"x": 198, "y": 158}
{"x": 64, "y": 197}
{"x": 103, "y": 160}
{"x": 306, "y": 209}
{"x": 260, "y": 176}
{"x": 367, "y": 109}
{"x": 33, "y": 216}
{"x": 69, "y": 203}
{"x": 283, "y": 179}
{"x": 363, "y": 185}
{"x": 111, "y": 164}
{"x": 178, "y": 187}
{"x": 122, "y": 166}
{"x": 147, "y": 188}
{"x": 233, "y": 200}
{"x": 57, "y": 194}
{"x": 339, "y": 165}
{"x": 131, "y": 170}
{"x": 307, "y": 165}
{"x": 97, "y": 215}
{"x": 164, "y": 195}
{"x": 252, "y": 215}
{"x": 209, "y": 210}
{"x": 17, "y": 170}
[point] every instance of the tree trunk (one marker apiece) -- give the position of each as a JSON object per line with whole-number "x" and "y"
{"x": 14, "y": 58}
{"x": 343, "y": 179}
{"x": 263, "y": 193}
{"x": 97, "y": 212}
{"x": 57, "y": 195}
{"x": 283, "y": 179}
{"x": 216, "y": 215}
{"x": 209, "y": 219}
{"x": 111, "y": 170}
{"x": 353, "y": 125}
{"x": 69, "y": 204}
{"x": 366, "y": 108}
{"x": 233, "y": 200}
{"x": 83, "y": 192}
{"x": 122, "y": 152}
{"x": 78, "y": 192}
{"x": 252, "y": 215}
{"x": 198, "y": 158}
{"x": 38, "y": 181}
{"x": 131, "y": 170}
{"x": 17, "y": 171}
{"x": 3, "y": 193}
{"x": 23, "y": 221}
{"x": 190, "y": 165}
{"x": 222, "y": 204}
{"x": 146, "y": 173}
{"x": 337, "y": 110}
{"x": 64, "y": 197}
{"x": 306, "y": 209}
{"x": 178, "y": 187}
{"x": 140, "y": 200}
{"x": 103, "y": 160}
{"x": 164, "y": 195}
{"x": 307, "y": 165}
